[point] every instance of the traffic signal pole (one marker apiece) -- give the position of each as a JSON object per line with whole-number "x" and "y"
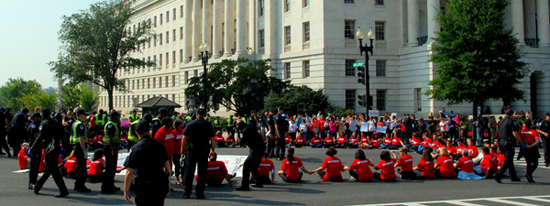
{"x": 368, "y": 102}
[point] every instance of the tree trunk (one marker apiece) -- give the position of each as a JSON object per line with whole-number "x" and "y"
{"x": 110, "y": 97}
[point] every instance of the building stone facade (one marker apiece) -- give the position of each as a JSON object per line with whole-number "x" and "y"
{"x": 313, "y": 43}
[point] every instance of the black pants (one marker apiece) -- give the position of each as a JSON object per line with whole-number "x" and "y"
{"x": 509, "y": 152}
{"x": 81, "y": 172}
{"x": 151, "y": 194}
{"x": 111, "y": 160}
{"x": 36, "y": 157}
{"x": 251, "y": 165}
{"x": 408, "y": 135}
{"x": 271, "y": 144}
{"x": 95, "y": 178}
{"x": 15, "y": 138}
{"x": 261, "y": 179}
{"x": 299, "y": 180}
{"x": 53, "y": 170}
{"x": 280, "y": 150}
{"x": 532, "y": 164}
{"x": 196, "y": 157}
{"x": 4, "y": 143}
{"x": 65, "y": 142}
{"x": 544, "y": 144}
{"x": 178, "y": 169}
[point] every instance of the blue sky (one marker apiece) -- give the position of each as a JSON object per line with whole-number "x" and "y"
{"x": 28, "y": 39}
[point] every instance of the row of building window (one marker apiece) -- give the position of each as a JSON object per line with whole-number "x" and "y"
{"x": 380, "y": 67}
{"x": 127, "y": 101}
{"x": 306, "y": 71}
{"x": 137, "y": 84}
{"x": 305, "y": 3}
{"x": 381, "y": 99}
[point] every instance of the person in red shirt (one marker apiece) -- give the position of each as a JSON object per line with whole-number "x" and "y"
{"x": 300, "y": 141}
{"x": 265, "y": 169}
{"x": 333, "y": 166}
{"x": 70, "y": 165}
{"x": 465, "y": 165}
{"x": 329, "y": 141}
{"x": 530, "y": 150}
{"x": 451, "y": 148}
{"x": 500, "y": 157}
{"x": 316, "y": 141}
{"x": 416, "y": 143}
{"x": 397, "y": 143}
{"x": 387, "y": 142}
{"x": 220, "y": 141}
{"x": 22, "y": 157}
{"x": 178, "y": 132}
{"x": 165, "y": 135}
{"x": 426, "y": 166}
{"x": 472, "y": 149}
{"x": 406, "y": 164}
{"x": 459, "y": 149}
{"x": 354, "y": 141}
{"x": 320, "y": 124}
{"x": 230, "y": 140}
{"x": 375, "y": 142}
{"x": 292, "y": 168}
{"x": 444, "y": 165}
{"x": 217, "y": 172}
{"x": 365, "y": 143}
{"x": 386, "y": 164}
{"x": 95, "y": 174}
{"x": 359, "y": 168}
{"x": 489, "y": 164}
{"x": 342, "y": 141}
{"x": 288, "y": 140}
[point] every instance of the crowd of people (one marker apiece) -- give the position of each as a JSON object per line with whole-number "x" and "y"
{"x": 58, "y": 143}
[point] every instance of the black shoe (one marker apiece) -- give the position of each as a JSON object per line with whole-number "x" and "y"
{"x": 186, "y": 196}
{"x": 257, "y": 185}
{"x": 116, "y": 188}
{"x": 516, "y": 180}
{"x": 31, "y": 186}
{"x": 36, "y": 189}
{"x": 530, "y": 178}
{"x": 200, "y": 196}
{"x": 241, "y": 188}
{"x": 83, "y": 189}
{"x": 9, "y": 156}
{"x": 108, "y": 191}
{"x": 62, "y": 194}
{"x": 497, "y": 178}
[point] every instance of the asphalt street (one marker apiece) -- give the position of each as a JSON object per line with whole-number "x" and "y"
{"x": 13, "y": 187}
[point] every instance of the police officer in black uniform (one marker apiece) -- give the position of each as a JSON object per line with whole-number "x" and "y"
{"x": 157, "y": 122}
{"x": 111, "y": 143}
{"x": 231, "y": 126}
{"x": 281, "y": 125}
{"x": 507, "y": 136}
{"x": 50, "y": 137}
{"x": 36, "y": 149}
{"x": 18, "y": 134}
{"x": 146, "y": 165}
{"x": 68, "y": 122}
{"x": 271, "y": 135}
{"x": 253, "y": 119}
{"x": 254, "y": 141}
{"x": 544, "y": 130}
{"x": 79, "y": 139}
{"x": 195, "y": 144}
{"x": 3, "y": 127}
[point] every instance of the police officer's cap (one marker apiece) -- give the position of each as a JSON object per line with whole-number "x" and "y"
{"x": 45, "y": 113}
{"x": 114, "y": 113}
{"x": 80, "y": 111}
{"x": 253, "y": 112}
{"x": 36, "y": 114}
{"x": 148, "y": 117}
{"x": 281, "y": 108}
{"x": 25, "y": 110}
{"x": 271, "y": 110}
{"x": 509, "y": 112}
{"x": 230, "y": 116}
{"x": 134, "y": 110}
{"x": 163, "y": 110}
{"x": 201, "y": 111}
{"x": 142, "y": 126}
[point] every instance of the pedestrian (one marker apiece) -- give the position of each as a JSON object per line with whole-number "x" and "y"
{"x": 68, "y": 122}
{"x": 253, "y": 119}
{"x": 255, "y": 142}
{"x": 292, "y": 168}
{"x": 531, "y": 152}
{"x": 3, "y": 132}
{"x": 544, "y": 130}
{"x": 166, "y": 136}
{"x": 156, "y": 123}
{"x": 271, "y": 134}
{"x": 111, "y": 143}
{"x": 50, "y": 138}
{"x": 281, "y": 126}
{"x": 17, "y": 134}
{"x": 36, "y": 149}
{"x": 195, "y": 143}
{"x": 178, "y": 132}
{"x": 78, "y": 140}
{"x": 507, "y": 136}
{"x": 147, "y": 167}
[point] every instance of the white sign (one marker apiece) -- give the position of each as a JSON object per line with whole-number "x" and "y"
{"x": 397, "y": 115}
{"x": 365, "y": 127}
{"x": 381, "y": 129}
{"x": 374, "y": 113}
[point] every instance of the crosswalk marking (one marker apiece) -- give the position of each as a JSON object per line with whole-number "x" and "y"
{"x": 477, "y": 201}
{"x": 462, "y": 203}
{"x": 539, "y": 199}
{"x": 510, "y": 202}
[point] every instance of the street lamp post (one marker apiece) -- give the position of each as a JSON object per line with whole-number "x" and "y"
{"x": 203, "y": 48}
{"x": 366, "y": 49}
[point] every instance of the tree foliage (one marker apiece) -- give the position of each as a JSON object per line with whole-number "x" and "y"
{"x": 298, "y": 99}
{"x": 89, "y": 99}
{"x": 70, "y": 97}
{"x": 42, "y": 99}
{"x": 97, "y": 46}
{"x": 478, "y": 59}
{"x": 16, "y": 92}
{"x": 239, "y": 85}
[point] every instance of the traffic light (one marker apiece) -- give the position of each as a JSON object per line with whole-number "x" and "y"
{"x": 203, "y": 80}
{"x": 361, "y": 73}
{"x": 369, "y": 102}
{"x": 362, "y": 100}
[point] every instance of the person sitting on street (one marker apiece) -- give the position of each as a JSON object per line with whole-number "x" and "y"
{"x": 426, "y": 166}
{"x": 406, "y": 164}
{"x": 387, "y": 142}
{"x": 329, "y": 141}
{"x": 342, "y": 141}
{"x": 333, "y": 166}
{"x": 300, "y": 141}
{"x": 316, "y": 141}
{"x": 465, "y": 165}
{"x": 292, "y": 168}
{"x": 220, "y": 141}
{"x": 97, "y": 167}
{"x": 217, "y": 172}
{"x": 22, "y": 157}
{"x": 489, "y": 165}
{"x": 359, "y": 169}
{"x": 386, "y": 164}
{"x": 444, "y": 165}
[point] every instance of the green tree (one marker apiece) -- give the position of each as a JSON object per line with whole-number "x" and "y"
{"x": 42, "y": 99}
{"x": 298, "y": 99}
{"x": 478, "y": 58}
{"x": 70, "y": 97}
{"x": 15, "y": 90}
{"x": 239, "y": 85}
{"x": 97, "y": 46}
{"x": 89, "y": 99}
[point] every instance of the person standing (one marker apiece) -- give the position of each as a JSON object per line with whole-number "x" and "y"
{"x": 156, "y": 124}
{"x": 36, "y": 149}
{"x": 195, "y": 143}
{"x": 254, "y": 141}
{"x": 17, "y": 134}
{"x": 111, "y": 143}
{"x": 271, "y": 135}
{"x": 531, "y": 152}
{"x": 230, "y": 126}
{"x": 544, "y": 129}
{"x": 3, "y": 127}
{"x": 78, "y": 140}
{"x": 281, "y": 125}
{"x": 132, "y": 135}
{"x": 68, "y": 122}
{"x": 50, "y": 137}
{"x": 147, "y": 166}
{"x": 253, "y": 119}
{"x": 507, "y": 136}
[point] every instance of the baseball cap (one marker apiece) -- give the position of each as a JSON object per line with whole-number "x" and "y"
{"x": 80, "y": 111}
{"x": 509, "y": 112}
{"x": 201, "y": 111}
{"x": 163, "y": 110}
{"x": 142, "y": 126}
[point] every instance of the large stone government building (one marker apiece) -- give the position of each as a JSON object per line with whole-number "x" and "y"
{"x": 313, "y": 43}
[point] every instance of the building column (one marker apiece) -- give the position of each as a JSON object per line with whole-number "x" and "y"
{"x": 414, "y": 22}
{"x": 186, "y": 29}
{"x": 228, "y": 28}
{"x": 196, "y": 42}
{"x": 517, "y": 20}
{"x": 433, "y": 24}
{"x": 217, "y": 30}
{"x": 241, "y": 27}
{"x": 205, "y": 21}
{"x": 543, "y": 24}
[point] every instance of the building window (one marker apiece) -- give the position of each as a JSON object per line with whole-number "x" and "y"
{"x": 167, "y": 58}
{"x": 287, "y": 70}
{"x": 148, "y": 84}
{"x": 173, "y": 57}
{"x": 306, "y": 3}
{"x": 167, "y": 16}
{"x": 160, "y": 59}
{"x": 174, "y": 81}
{"x": 174, "y": 35}
{"x": 160, "y": 82}
{"x": 261, "y": 7}
{"x": 287, "y": 5}
{"x": 196, "y": 73}
{"x": 143, "y": 83}
{"x": 154, "y": 83}
{"x": 223, "y": 36}
{"x": 287, "y": 35}
{"x": 166, "y": 81}
{"x": 181, "y": 11}
{"x": 168, "y": 37}
{"x": 379, "y": 2}
{"x": 160, "y": 19}
{"x": 350, "y": 70}
{"x": 379, "y": 30}
{"x": 186, "y": 77}
{"x": 155, "y": 22}
{"x": 348, "y": 1}
{"x": 380, "y": 68}
{"x": 174, "y": 97}
{"x": 305, "y": 64}
{"x": 349, "y": 30}
{"x": 154, "y": 41}
{"x": 350, "y": 99}
{"x": 418, "y": 99}
{"x": 181, "y": 55}
{"x": 181, "y": 32}
{"x": 137, "y": 85}
{"x": 160, "y": 38}
{"x": 306, "y": 31}
{"x": 133, "y": 84}
{"x": 261, "y": 37}
{"x": 174, "y": 13}
{"x": 381, "y": 100}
